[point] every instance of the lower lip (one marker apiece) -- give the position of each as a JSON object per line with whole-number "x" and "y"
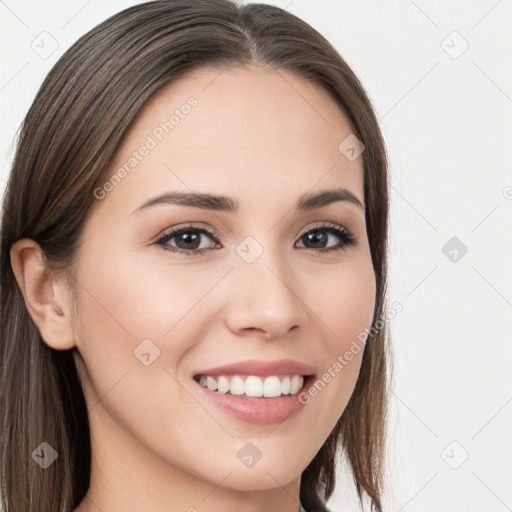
{"x": 259, "y": 410}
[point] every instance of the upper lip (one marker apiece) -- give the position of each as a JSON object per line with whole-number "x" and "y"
{"x": 260, "y": 367}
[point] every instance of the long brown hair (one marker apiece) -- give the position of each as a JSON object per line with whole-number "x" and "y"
{"x": 65, "y": 145}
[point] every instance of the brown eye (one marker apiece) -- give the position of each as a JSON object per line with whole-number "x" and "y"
{"x": 188, "y": 240}
{"x": 318, "y": 238}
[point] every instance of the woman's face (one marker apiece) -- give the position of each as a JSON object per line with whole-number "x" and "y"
{"x": 265, "y": 281}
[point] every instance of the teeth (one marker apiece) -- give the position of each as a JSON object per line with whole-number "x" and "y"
{"x": 237, "y": 386}
{"x": 222, "y": 384}
{"x": 285, "y": 386}
{"x": 295, "y": 384}
{"x": 272, "y": 387}
{"x": 211, "y": 383}
{"x": 254, "y": 386}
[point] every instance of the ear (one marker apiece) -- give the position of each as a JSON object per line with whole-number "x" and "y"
{"x": 45, "y": 294}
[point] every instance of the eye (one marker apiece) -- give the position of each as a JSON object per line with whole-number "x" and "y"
{"x": 319, "y": 236}
{"x": 188, "y": 239}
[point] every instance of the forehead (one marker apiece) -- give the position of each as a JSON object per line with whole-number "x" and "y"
{"x": 248, "y": 131}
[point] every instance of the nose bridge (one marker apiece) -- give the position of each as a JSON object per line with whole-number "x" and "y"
{"x": 263, "y": 296}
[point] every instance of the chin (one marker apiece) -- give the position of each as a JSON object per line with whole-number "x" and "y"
{"x": 259, "y": 478}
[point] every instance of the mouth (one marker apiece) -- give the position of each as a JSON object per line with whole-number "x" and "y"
{"x": 257, "y": 391}
{"x": 255, "y": 386}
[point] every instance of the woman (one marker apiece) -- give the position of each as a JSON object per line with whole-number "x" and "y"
{"x": 193, "y": 271}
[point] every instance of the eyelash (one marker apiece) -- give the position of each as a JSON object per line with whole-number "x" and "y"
{"x": 347, "y": 238}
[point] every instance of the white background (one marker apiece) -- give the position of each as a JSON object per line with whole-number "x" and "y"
{"x": 447, "y": 123}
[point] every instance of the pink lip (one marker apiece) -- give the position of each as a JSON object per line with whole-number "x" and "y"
{"x": 260, "y": 368}
{"x": 259, "y": 410}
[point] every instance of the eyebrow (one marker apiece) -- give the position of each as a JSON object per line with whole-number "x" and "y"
{"x": 226, "y": 204}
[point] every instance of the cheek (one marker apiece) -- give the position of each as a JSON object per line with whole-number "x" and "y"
{"x": 345, "y": 305}
{"x": 344, "y": 300}
{"x": 140, "y": 318}
{"x": 137, "y": 323}
{"x": 130, "y": 299}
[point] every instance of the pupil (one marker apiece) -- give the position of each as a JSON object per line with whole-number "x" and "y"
{"x": 188, "y": 238}
{"x": 316, "y": 237}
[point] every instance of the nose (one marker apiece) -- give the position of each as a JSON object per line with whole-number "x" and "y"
{"x": 262, "y": 298}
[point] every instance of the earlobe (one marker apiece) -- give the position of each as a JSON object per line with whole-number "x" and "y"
{"x": 44, "y": 293}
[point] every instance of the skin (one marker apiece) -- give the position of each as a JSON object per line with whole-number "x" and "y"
{"x": 265, "y": 139}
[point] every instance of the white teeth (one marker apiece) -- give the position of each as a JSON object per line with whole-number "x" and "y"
{"x": 295, "y": 384}
{"x": 223, "y": 384}
{"x": 272, "y": 387}
{"x": 237, "y": 386}
{"x": 285, "y": 386}
{"x": 253, "y": 386}
{"x": 211, "y": 383}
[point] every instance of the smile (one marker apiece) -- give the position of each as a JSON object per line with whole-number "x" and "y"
{"x": 271, "y": 386}
{"x": 256, "y": 391}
